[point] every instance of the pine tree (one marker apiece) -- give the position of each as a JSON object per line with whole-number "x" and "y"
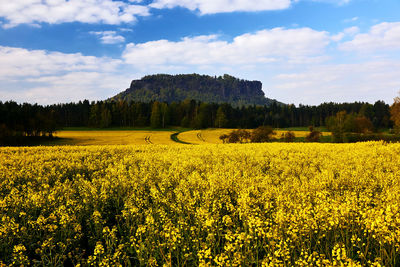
{"x": 165, "y": 114}
{"x": 155, "y": 118}
{"x": 220, "y": 120}
{"x": 105, "y": 119}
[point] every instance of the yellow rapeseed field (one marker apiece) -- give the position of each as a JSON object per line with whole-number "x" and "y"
{"x": 274, "y": 204}
{"x": 115, "y": 137}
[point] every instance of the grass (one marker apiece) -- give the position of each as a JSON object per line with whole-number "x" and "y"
{"x": 174, "y": 137}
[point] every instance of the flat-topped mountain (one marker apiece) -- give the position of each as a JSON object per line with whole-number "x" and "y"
{"x": 204, "y": 88}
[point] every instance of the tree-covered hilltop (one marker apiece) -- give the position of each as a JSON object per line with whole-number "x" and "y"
{"x": 203, "y": 88}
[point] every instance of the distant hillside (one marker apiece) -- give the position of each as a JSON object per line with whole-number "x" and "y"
{"x": 170, "y": 88}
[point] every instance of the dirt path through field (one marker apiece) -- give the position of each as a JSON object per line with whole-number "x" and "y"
{"x": 200, "y": 137}
{"x": 147, "y": 139}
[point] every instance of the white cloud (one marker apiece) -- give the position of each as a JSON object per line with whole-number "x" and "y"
{"x": 295, "y": 65}
{"x": 73, "y": 87}
{"x": 221, "y": 6}
{"x": 352, "y": 30}
{"x": 17, "y": 62}
{"x": 366, "y": 81}
{"x": 109, "y": 37}
{"x": 338, "y": 37}
{"x": 53, "y": 77}
{"x": 381, "y": 37}
{"x": 299, "y": 65}
{"x": 353, "y": 19}
{"x": 59, "y": 11}
{"x": 114, "y": 12}
{"x": 125, "y": 30}
{"x": 266, "y": 46}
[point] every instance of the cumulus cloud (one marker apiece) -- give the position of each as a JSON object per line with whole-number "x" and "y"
{"x": 366, "y": 81}
{"x": 298, "y": 65}
{"x": 16, "y": 62}
{"x": 353, "y": 19}
{"x": 352, "y": 30}
{"x": 381, "y": 37}
{"x": 114, "y": 12}
{"x": 72, "y": 87}
{"x": 59, "y": 11}
{"x": 52, "y": 77}
{"x": 278, "y": 44}
{"x": 348, "y": 32}
{"x": 221, "y": 6}
{"x": 109, "y": 37}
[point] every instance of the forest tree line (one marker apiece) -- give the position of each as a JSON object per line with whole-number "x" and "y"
{"x": 36, "y": 120}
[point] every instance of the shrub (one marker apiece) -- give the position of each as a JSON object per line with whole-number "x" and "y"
{"x": 262, "y": 134}
{"x": 288, "y": 136}
{"x": 236, "y": 136}
{"x": 224, "y": 138}
{"x": 363, "y": 125}
{"x": 314, "y": 135}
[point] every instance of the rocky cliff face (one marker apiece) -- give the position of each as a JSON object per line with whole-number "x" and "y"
{"x": 170, "y": 88}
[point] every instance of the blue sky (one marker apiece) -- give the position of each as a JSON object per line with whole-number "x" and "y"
{"x": 303, "y": 51}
